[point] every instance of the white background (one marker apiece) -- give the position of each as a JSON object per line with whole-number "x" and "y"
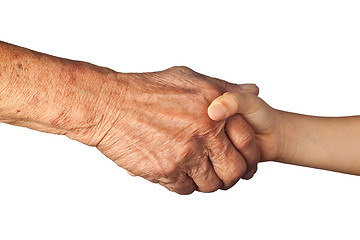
{"x": 304, "y": 56}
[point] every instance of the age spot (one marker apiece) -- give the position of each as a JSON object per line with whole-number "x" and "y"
{"x": 69, "y": 73}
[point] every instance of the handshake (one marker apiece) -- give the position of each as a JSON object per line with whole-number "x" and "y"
{"x": 187, "y": 131}
{"x": 181, "y": 129}
{"x": 165, "y": 135}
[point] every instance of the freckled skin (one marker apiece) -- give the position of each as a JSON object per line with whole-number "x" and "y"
{"x": 35, "y": 101}
{"x": 38, "y": 87}
{"x": 154, "y": 125}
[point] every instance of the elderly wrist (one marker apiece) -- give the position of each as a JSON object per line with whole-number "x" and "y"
{"x": 100, "y": 104}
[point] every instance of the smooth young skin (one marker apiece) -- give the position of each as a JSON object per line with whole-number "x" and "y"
{"x": 330, "y": 143}
{"x": 155, "y": 125}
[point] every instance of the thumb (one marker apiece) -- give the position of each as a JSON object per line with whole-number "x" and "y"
{"x": 251, "y": 107}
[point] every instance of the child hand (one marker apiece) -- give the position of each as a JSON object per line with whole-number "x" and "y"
{"x": 264, "y": 120}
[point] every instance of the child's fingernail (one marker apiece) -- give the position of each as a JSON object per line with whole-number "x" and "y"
{"x": 217, "y": 112}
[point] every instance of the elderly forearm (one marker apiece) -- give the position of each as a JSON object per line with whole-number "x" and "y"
{"x": 52, "y": 94}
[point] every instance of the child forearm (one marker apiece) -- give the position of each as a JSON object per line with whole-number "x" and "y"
{"x": 321, "y": 142}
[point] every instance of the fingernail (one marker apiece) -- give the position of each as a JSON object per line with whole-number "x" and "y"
{"x": 217, "y": 112}
{"x": 250, "y": 86}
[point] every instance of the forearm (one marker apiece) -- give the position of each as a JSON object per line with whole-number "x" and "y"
{"x": 322, "y": 142}
{"x": 51, "y": 94}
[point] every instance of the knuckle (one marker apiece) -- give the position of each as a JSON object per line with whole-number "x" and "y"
{"x": 181, "y": 69}
{"x": 212, "y": 92}
{"x": 169, "y": 170}
{"x": 181, "y": 186}
{"x": 246, "y": 140}
{"x": 234, "y": 175}
{"x": 210, "y": 129}
{"x": 209, "y": 90}
{"x": 244, "y": 137}
{"x": 222, "y": 84}
{"x": 200, "y": 172}
{"x": 213, "y": 188}
{"x": 187, "y": 152}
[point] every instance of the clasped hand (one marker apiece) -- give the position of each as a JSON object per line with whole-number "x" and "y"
{"x": 160, "y": 130}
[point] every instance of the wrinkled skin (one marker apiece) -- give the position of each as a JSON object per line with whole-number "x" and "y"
{"x": 159, "y": 130}
{"x": 154, "y": 125}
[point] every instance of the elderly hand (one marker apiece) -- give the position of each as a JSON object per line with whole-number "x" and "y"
{"x": 159, "y": 130}
{"x": 154, "y": 125}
